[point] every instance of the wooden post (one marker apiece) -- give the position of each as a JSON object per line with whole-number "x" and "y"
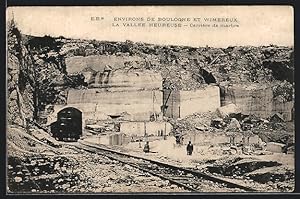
{"x": 145, "y": 130}
{"x": 172, "y": 116}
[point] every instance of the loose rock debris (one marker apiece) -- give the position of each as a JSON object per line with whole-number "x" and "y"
{"x": 88, "y": 173}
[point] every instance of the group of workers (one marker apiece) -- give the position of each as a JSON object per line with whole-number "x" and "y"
{"x": 189, "y": 148}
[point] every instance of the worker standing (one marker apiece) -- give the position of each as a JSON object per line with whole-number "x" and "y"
{"x": 190, "y": 148}
{"x": 147, "y": 147}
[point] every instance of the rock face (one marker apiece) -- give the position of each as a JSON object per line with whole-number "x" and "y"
{"x": 259, "y": 100}
{"x": 44, "y": 68}
{"x": 36, "y": 76}
{"x": 77, "y": 64}
{"x": 139, "y": 104}
{"x": 126, "y": 81}
{"x": 20, "y": 102}
{"x": 179, "y": 104}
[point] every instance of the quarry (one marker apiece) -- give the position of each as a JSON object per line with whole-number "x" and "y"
{"x": 234, "y": 104}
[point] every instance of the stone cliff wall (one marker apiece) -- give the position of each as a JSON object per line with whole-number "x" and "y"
{"x": 179, "y": 104}
{"x": 37, "y": 74}
{"x": 139, "y": 105}
{"x": 199, "y": 101}
{"x": 19, "y": 89}
{"x": 257, "y": 100}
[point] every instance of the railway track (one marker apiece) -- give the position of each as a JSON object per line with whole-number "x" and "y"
{"x": 190, "y": 180}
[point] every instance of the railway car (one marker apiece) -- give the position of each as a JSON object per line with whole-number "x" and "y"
{"x": 68, "y": 125}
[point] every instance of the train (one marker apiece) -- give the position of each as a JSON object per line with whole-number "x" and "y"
{"x": 68, "y": 126}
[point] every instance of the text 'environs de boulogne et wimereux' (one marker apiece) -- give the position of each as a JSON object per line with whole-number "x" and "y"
{"x": 173, "y": 22}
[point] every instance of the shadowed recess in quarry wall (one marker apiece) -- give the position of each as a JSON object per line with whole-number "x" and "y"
{"x": 280, "y": 70}
{"x": 207, "y": 76}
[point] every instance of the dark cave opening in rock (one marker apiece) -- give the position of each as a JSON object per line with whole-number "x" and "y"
{"x": 207, "y": 76}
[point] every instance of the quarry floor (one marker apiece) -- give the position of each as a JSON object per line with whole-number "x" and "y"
{"x": 205, "y": 156}
{"x": 34, "y": 166}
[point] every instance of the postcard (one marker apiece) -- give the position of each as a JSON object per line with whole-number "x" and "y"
{"x": 150, "y": 99}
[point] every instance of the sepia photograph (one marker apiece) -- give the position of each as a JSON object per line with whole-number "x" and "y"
{"x": 150, "y": 99}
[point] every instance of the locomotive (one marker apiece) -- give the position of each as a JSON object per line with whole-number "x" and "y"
{"x": 68, "y": 125}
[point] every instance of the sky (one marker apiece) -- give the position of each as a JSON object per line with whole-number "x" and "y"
{"x": 257, "y": 25}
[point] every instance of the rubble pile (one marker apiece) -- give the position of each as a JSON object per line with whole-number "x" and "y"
{"x": 229, "y": 110}
{"x": 275, "y": 132}
{"x": 226, "y": 64}
{"x": 197, "y": 121}
{"x": 230, "y": 119}
{"x": 230, "y": 132}
{"x": 41, "y": 174}
{"x": 283, "y": 91}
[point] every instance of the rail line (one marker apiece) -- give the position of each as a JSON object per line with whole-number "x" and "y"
{"x": 191, "y": 180}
